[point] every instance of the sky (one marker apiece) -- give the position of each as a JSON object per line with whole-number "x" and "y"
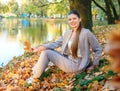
{"x": 19, "y": 1}
{"x": 5, "y": 1}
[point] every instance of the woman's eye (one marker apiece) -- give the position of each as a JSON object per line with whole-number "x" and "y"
{"x": 69, "y": 19}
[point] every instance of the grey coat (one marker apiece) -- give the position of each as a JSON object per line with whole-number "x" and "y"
{"x": 86, "y": 39}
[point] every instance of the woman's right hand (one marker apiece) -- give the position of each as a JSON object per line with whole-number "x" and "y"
{"x": 37, "y": 49}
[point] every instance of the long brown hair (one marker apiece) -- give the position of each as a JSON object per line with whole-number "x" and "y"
{"x": 74, "y": 46}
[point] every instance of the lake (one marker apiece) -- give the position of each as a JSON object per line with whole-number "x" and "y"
{"x": 15, "y": 32}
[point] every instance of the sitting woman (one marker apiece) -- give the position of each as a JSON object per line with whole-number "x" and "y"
{"x": 75, "y": 53}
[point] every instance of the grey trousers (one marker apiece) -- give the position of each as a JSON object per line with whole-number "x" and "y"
{"x": 64, "y": 63}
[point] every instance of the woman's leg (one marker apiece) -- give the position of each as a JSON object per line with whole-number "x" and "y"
{"x": 56, "y": 58}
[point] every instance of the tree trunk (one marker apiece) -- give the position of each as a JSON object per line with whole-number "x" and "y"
{"x": 84, "y": 8}
{"x": 119, "y": 3}
{"x": 119, "y": 6}
{"x": 107, "y": 10}
{"x": 114, "y": 10}
{"x": 109, "y": 13}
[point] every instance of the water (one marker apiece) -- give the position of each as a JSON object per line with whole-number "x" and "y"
{"x": 14, "y": 32}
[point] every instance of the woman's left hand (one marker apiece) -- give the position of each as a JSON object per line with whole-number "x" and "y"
{"x": 92, "y": 67}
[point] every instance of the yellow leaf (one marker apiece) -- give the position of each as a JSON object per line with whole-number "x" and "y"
{"x": 90, "y": 85}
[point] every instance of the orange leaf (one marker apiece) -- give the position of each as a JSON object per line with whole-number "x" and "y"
{"x": 27, "y": 45}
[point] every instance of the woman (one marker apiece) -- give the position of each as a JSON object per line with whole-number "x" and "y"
{"x": 75, "y": 53}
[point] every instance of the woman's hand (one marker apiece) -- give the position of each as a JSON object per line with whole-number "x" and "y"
{"x": 37, "y": 49}
{"x": 92, "y": 67}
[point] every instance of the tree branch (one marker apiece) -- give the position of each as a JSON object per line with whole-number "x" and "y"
{"x": 99, "y": 6}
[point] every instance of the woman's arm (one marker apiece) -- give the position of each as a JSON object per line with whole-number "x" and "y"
{"x": 87, "y": 39}
{"x": 95, "y": 47}
{"x": 51, "y": 45}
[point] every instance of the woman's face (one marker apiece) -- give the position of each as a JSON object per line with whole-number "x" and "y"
{"x": 74, "y": 21}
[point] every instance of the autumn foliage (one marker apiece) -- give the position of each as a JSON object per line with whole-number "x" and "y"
{"x": 113, "y": 50}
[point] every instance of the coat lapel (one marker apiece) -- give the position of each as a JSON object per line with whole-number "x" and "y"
{"x": 66, "y": 41}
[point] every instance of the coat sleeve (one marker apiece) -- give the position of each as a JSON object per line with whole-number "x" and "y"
{"x": 95, "y": 47}
{"x": 57, "y": 43}
{"x": 87, "y": 40}
{"x": 54, "y": 44}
